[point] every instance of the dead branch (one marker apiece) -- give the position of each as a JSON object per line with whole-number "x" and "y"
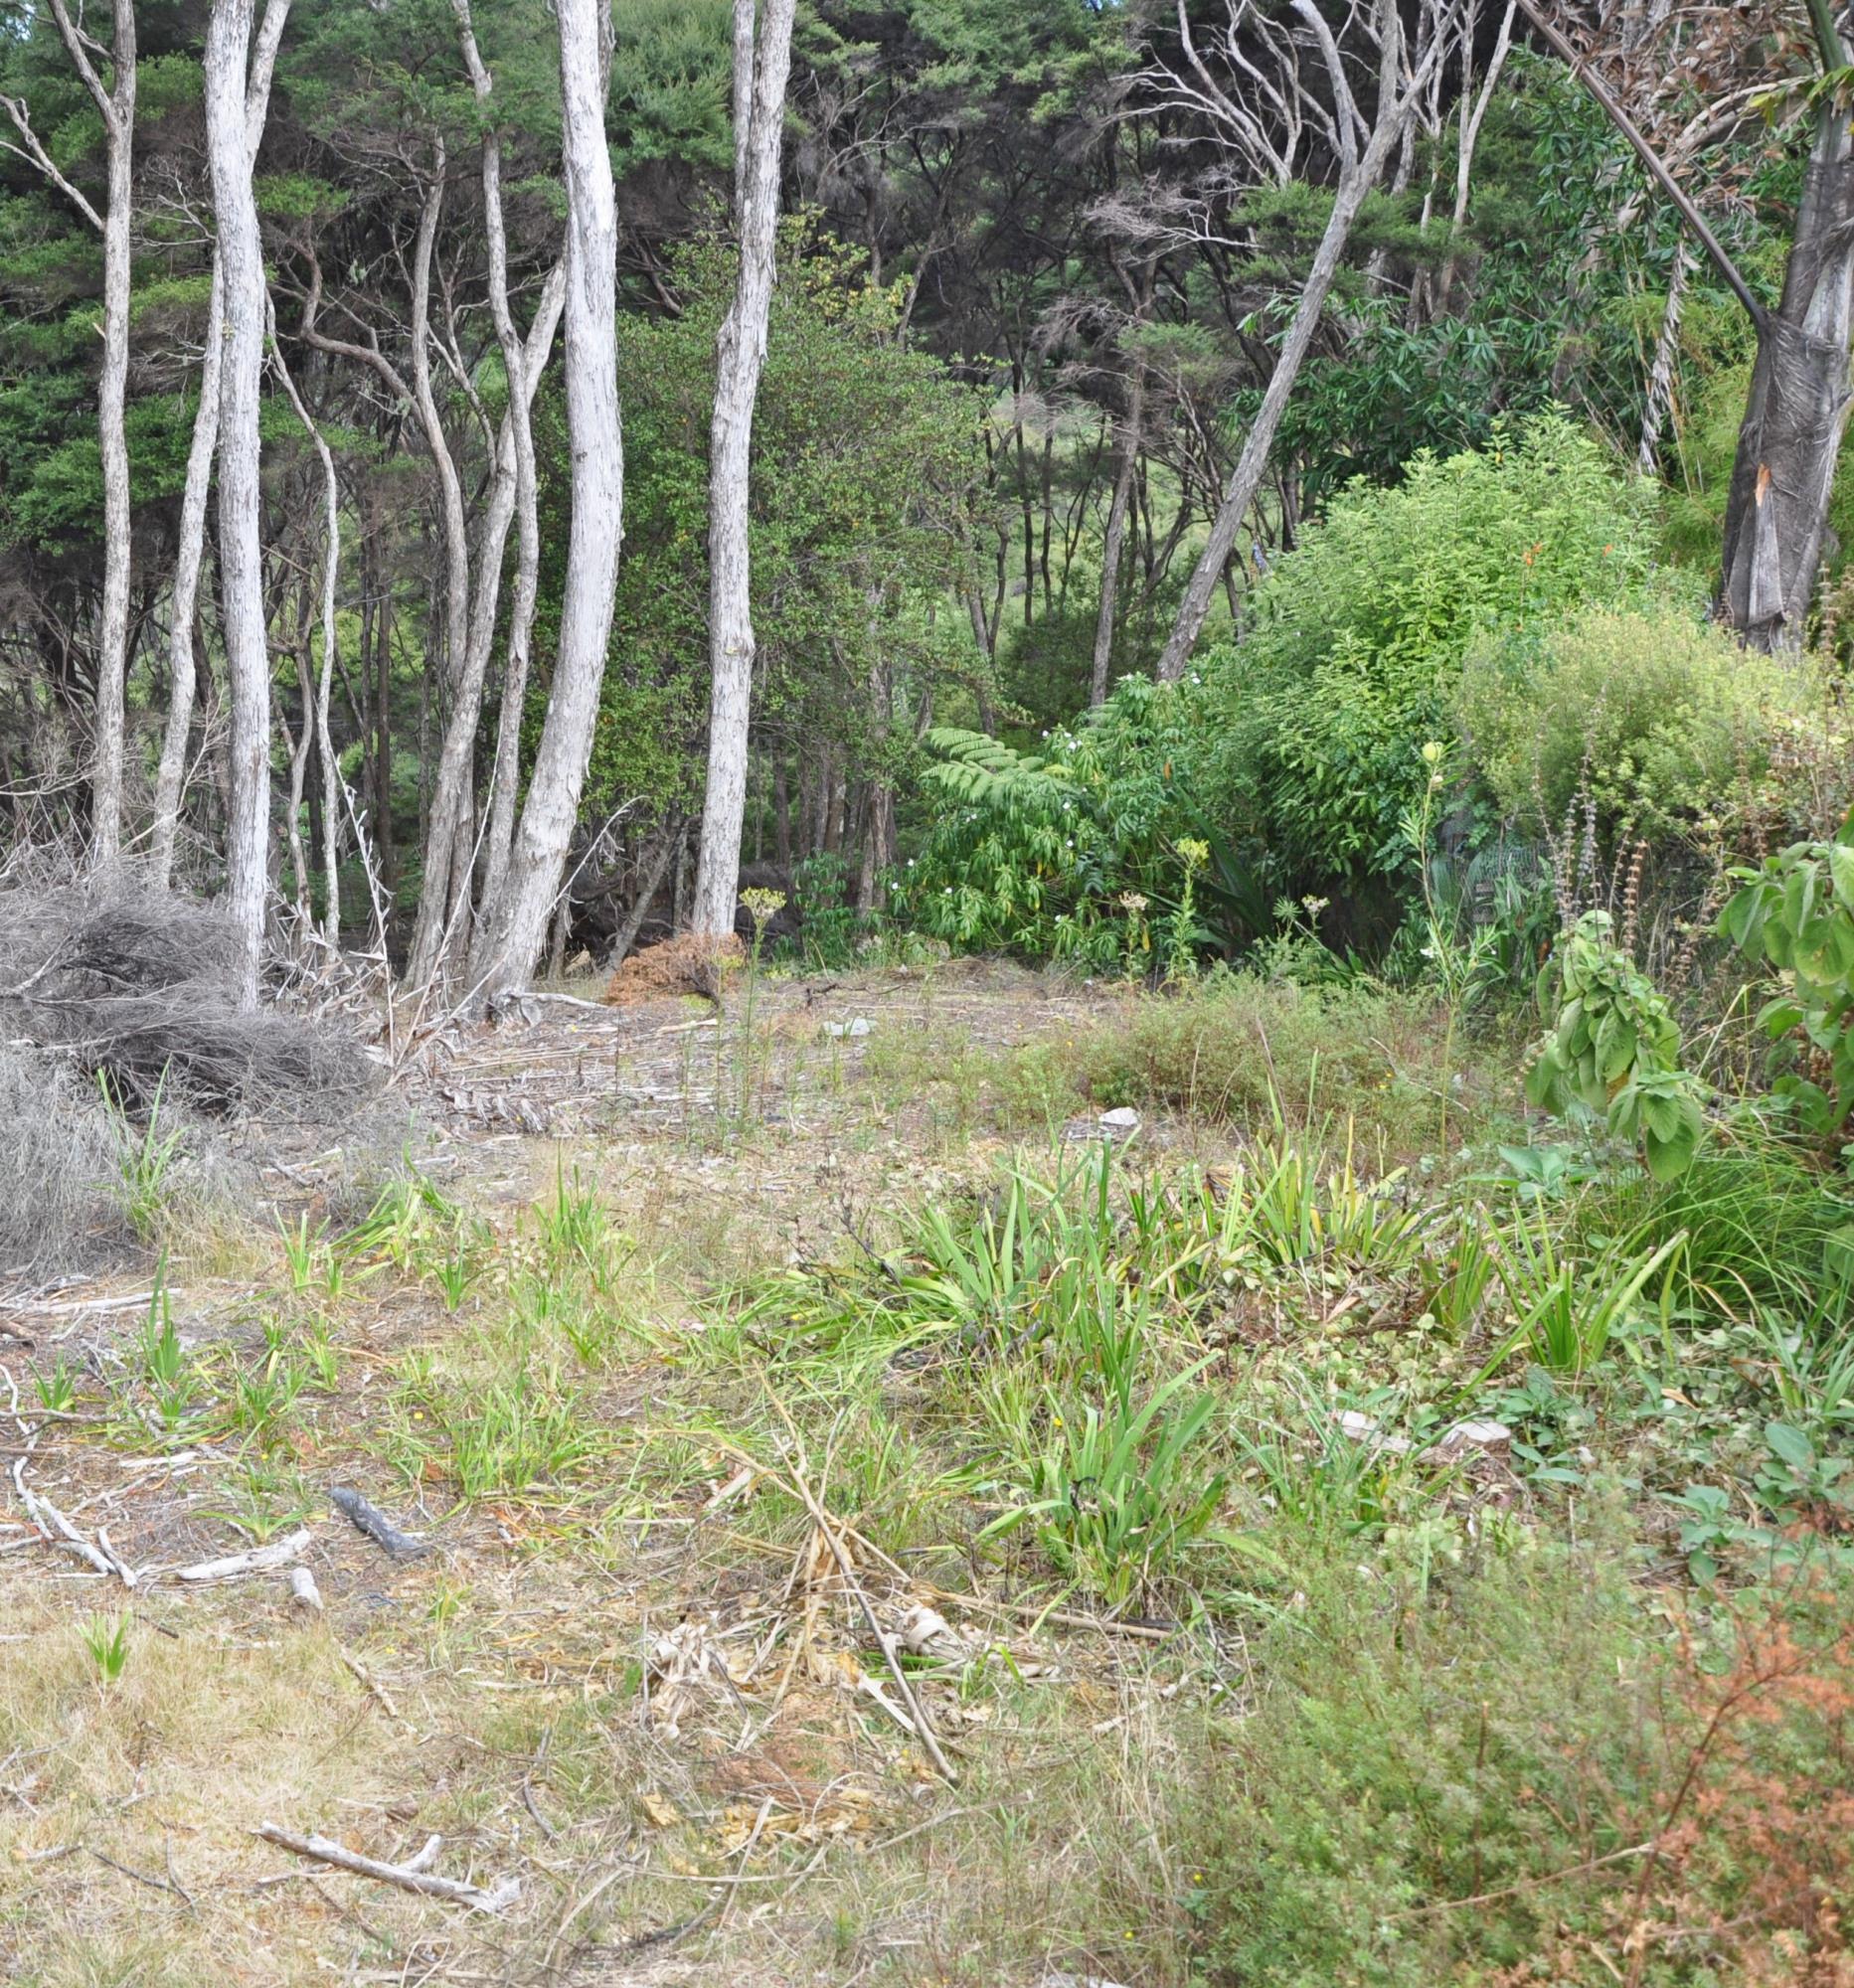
{"x": 413, "y": 1876}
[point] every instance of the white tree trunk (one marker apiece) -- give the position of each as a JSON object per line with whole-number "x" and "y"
{"x": 116, "y": 105}
{"x": 505, "y": 780}
{"x": 170, "y": 778}
{"x": 1399, "y": 93}
{"x": 741, "y": 355}
{"x": 317, "y": 715}
{"x": 515, "y": 926}
{"x": 443, "y": 906}
{"x": 240, "y": 551}
{"x": 171, "y": 775}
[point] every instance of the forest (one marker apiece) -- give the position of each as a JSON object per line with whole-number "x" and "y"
{"x": 927, "y": 992}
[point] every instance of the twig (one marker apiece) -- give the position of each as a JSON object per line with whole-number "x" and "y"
{"x": 261, "y": 1559}
{"x": 837, "y": 1553}
{"x": 58, "y": 1530}
{"x": 373, "y": 1687}
{"x": 140, "y": 1877}
{"x": 409, "y": 1877}
{"x": 1524, "y": 1884}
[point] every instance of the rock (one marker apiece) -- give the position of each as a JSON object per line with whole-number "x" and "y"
{"x": 1465, "y": 1436}
{"x": 856, "y": 1030}
{"x": 1121, "y": 1123}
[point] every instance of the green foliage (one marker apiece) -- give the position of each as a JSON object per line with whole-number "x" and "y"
{"x": 1445, "y": 1778}
{"x": 848, "y": 541}
{"x": 1355, "y": 654}
{"x": 107, "y": 1638}
{"x": 1061, "y": 853}
{"x": 1658, "y": 715}
{"x": 1797, "y": 913}
{"x": 1614, "y": 1048}
{"x": 1115, "y": 1494}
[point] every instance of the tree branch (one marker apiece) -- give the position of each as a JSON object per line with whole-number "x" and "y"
{"x": 1606, "y": 101}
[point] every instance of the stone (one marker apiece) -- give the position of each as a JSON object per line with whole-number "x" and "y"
{"x": 856, "y": 1029}
{"x": 1121, "y": 1123}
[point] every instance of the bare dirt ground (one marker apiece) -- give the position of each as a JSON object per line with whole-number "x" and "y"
{"x": 628, "y": 1676}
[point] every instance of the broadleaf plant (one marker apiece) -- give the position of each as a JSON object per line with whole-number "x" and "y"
{"x": 1614, "y": 1048}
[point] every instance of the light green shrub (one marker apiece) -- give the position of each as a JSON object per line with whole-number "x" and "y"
{"x": 1667, "y": 718}
{"x": 1355, "y": 652}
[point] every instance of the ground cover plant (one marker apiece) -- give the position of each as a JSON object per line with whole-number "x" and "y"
{"x": 1239, "y": 1552}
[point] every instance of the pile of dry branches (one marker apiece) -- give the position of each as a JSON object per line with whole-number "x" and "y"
{"x": 137, "y": 984}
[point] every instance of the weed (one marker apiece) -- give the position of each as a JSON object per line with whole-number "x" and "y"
{"x": 262, "y": 1502}
{"x": 145, "y": 1159}
{"x": 57, "y": 1389}
{"x": 166, "y": 1369}
{"x": 107, "y": 1638}
{"x": 1115, "y": 1495}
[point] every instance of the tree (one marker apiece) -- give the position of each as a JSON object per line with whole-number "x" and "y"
{"x": 171, "y": 773}
{"x": 116, "y": 105}
{"x": 241, "y": 548}
{"x": 743, "y": 350}
{"x": 1263, "y": 109}
{"x": 1797, "y": 409}
{"x": 515, "y": 925}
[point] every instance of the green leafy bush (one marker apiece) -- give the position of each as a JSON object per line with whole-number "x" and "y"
{"x": 1355, "y": 655}
{"x": 1078, "y": 850}
{"x": 1797, "y": 913}
{"x": 1614, "y": 1048}
{"x": 1665, "y": 718}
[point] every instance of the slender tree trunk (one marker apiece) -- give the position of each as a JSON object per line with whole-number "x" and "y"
{"x": 1251, "y": 465}
{"x": 740, "y": 355}
{"x": 115, "y": 106}
{"x": 515, "y": 926}
{"x": 118, "y": 108}
{"x": 650, "y": 877}
{"x": 171, "y": 774}
{"x": 183, "y": 652}
{"x": 240, "y": 495}
{"x": 315, "y": 713}
{"x": 1472, "y": 114}
{"x": 1115, "y": 539}
{"x": 505, "y": 780}
{"x": 443, "y": 910}
{"x": 1777, "y": 512}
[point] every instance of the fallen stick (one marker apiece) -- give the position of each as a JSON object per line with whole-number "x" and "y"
{"x": 303, "y": 1590}
{"x": 837, "y": 1553}
{"x": 58, "y": 1530}
{"x": 128, "y": 1575}
{"x": 413, "y": 1876}
{"x": 375, "y": 1524}
{"x": 261, "y": 1559}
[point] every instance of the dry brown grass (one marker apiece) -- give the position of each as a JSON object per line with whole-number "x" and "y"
{"x": 504, "y": 1706}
